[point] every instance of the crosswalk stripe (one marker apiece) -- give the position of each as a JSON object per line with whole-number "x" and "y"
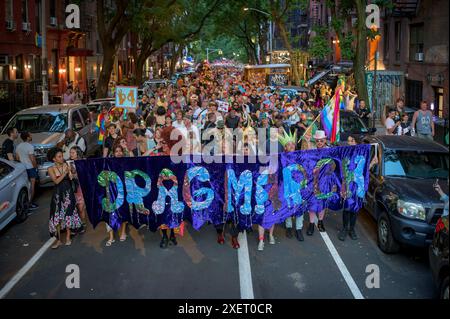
{"x": 245, "y": 272}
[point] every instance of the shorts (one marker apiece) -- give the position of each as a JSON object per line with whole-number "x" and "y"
{"x": 32, "y": 173}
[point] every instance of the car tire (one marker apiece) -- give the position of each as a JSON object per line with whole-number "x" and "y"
{"x": 443, "y": 294}
{"x": 386, "y": 240}
{"x": 22, "y": 206}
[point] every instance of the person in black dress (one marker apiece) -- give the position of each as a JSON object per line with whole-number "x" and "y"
{"x": 63, "y": 206}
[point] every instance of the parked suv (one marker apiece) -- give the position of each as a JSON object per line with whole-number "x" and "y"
{"x": 47, "y": 125}
{"x": 401, "y": 196}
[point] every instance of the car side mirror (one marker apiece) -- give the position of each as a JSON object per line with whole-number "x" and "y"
{"x": 372, "y": 130}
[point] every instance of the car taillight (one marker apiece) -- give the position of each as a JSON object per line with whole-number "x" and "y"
{"x": 439, "y": 226}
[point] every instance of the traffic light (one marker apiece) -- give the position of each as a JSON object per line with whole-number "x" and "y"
{"x": 310, "y": 64}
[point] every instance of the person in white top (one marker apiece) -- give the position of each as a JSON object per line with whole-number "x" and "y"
{"x": 25, "y": 155}
{"x": 391, "y": 126}
{"x": 179, "y": 122}
{"x": 69, "y": 140}
{"x": 191, "y": 135}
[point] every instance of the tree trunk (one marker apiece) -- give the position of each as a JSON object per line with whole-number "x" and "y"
{"x": 361, "y": 52}
{"x": 287, "y": 44}
{"x": 139, "y": 70}
{"x": 263, "y": 42}
{"x": 105, "y": 74}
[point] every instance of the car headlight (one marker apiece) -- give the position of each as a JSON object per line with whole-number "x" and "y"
{"x": 411, "y": 210}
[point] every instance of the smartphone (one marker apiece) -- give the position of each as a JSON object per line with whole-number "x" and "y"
{"x": 436, "y": 183}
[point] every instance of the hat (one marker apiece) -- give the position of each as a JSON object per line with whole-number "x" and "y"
{"x": 319, "y": 135}
{"x": 220, "y": 124}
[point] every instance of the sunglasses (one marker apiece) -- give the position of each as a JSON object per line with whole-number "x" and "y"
{"x": 320, "y": 141}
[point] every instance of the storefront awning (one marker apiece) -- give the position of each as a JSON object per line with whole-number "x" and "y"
{"x": 71, "y": 51}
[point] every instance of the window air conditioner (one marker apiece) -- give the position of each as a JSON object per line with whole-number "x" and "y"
{"x": 419, "y": 57}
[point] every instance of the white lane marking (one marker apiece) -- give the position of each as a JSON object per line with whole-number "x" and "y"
{"x": 245, "y": 272}
{"x": 342, "y": 268}
{"x": 17, "y": 277}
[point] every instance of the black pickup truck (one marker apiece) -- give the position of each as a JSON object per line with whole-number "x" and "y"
{"x": 401, "y": 196}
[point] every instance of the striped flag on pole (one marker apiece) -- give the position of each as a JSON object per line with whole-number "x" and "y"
{"x": 330, "y": 116}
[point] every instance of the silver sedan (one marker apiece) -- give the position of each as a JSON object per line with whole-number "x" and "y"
{"x": 14, "y": 192}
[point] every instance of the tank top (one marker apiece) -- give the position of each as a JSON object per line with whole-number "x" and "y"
{"x": 424, "y": 123}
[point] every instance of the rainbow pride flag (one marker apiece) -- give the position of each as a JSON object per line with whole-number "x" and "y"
{"x": 330, "y": 116}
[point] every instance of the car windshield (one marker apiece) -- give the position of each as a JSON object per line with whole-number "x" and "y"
{"x": 352, "y": 124}
{"x": 36, "y": 123}
{"x": 416, "y": 164}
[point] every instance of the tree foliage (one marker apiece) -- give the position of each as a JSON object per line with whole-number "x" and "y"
{"x": 319, "y": 46}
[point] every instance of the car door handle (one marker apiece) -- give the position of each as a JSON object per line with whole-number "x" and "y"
{"x": 13, "y": 184}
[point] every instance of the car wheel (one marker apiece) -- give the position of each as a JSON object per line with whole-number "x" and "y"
{"x": 22, "y": 206}
{"x": 444, "y": 289}
{"x": 386, "y": 240}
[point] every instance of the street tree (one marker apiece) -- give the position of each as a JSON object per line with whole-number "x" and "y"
{"x": 113, "y": 22}
{"x": 354, "y": 44}
{"x": 168, "y": 21}
{"x": 279, "y": 10}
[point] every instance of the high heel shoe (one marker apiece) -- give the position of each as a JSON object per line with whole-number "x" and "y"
{"x": 235, "y": 243}
{"x": 220, "y": 239}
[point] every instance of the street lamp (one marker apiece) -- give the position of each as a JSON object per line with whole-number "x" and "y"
{"x": 270, "y": 27}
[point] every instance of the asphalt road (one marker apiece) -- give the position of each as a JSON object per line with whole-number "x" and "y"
{"x": 200, "y": 268}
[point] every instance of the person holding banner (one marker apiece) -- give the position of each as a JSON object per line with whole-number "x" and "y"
{"x": 349, "y": 216}
{"x": 289, "y": 142}
{"x": 321, "y": 143}
{"x": 118, "y": 152}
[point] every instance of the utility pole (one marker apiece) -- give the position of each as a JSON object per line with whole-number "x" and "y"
{"x": 44, "y": 63}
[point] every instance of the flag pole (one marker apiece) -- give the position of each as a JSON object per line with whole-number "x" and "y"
{"x": 309, "y": 127}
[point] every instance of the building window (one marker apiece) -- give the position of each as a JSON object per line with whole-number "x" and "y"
{"x": 55, "y": 63}
{"x": 416, "y": 42}
{"x": 413, "y": 93}
{"x": 439, "y": 101}
{"x": 4, "y": 72}
{"x": 9, "y": 13}
{"x": 37, "y": 11}
{"x": 398, "y": 40}
{"x": 25, "y": 11}
{"x": 386, "y": 42}
{"x": 19, "y": 67}
{"x": 53, "y": 8}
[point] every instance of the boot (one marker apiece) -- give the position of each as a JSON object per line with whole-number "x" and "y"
{"x": 310, "y": 231}
{"x": 320, "y": 226}
{"x": 289, "y": 232}
{"x": 173, "y": 239}
{"x": 342, "y": 234}
{"x": 164, "y": 243}
{"x": 299, "y": 235}
{"x": 352, "y": 234}
{"x": 235, "y": 243}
